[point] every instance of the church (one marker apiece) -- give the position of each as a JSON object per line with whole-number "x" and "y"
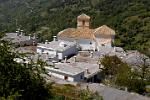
{"x": 87, "y": 38}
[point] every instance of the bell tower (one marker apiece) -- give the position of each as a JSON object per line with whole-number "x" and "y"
{"x": 83, "y": 21}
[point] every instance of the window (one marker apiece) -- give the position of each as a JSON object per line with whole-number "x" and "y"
{"x": 83, "y": 23}
{"x": 103, "y": 44}
{"x": 42, "y": 50}
{"x": 81, "y": 77}
{"x": 90, "y": 43}
{"x": 66, "y": 77}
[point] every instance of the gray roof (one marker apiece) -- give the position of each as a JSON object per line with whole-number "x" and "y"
{"x": 14, "y": 37}
{"x": 57, "y": 45}
{"x": 136, "y": 58}
{"x": 109, "y": 93}
{"x": 118, "y": 49}
{"x": 78, "y": 67}
{"x": 11, "y": 35}
{"x": 65, "y": 68}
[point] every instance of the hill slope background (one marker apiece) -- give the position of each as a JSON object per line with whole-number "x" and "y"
{"x": 130, "y": 18}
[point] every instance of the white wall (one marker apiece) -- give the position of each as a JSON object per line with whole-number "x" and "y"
{"x": 87, "y": 44}
{"x": 76, "y": 78}
{"x": 39, "y": 50}
{"x": 43, "y": 50}
{"x": 60, "y": 55}
{"x": 50, "y": 52}
{"x": 61, "y": 76}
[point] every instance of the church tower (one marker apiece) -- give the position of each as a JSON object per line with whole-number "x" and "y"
{"x": 83, "y": 21}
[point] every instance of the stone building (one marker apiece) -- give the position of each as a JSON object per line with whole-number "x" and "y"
{"x": 87, "y": 38}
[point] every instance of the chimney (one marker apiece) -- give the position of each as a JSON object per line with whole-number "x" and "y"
{"x": 53, "y": 63}
{"x": 29, "y": 36}
{"x": 87, "y": 71}
{"x": 91, "y": 54}
{"x": 126, "y": 89}
{"x": 54, "y": 38}
{"x": 17, "y": 33}
{"x": 21, "y": 31}
{"x": 47, "y": 56}
{"x": 34, "y": 35}
{"x": 65, "y": 59}
{"x": 34, "y": 43}
{"x": 114, "y": 49}
{"x": 75, "y": 58}
{"x": 46, "y": 41}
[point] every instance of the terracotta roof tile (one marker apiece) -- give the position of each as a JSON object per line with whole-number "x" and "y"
{"x": 79, "y": 33}
{"x": 104, "y": 41}
{"x": 104, "y": 31}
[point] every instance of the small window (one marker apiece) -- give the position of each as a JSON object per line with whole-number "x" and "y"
{"x": 66, "y": 77}
{"x": 83, "y": 22}
{"x": 81, "y": 77}
{"x": 103, "y": 44}
{"x": 42, "y": 50}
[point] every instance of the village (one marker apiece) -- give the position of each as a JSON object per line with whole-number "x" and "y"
{"x": 73, "y": 57}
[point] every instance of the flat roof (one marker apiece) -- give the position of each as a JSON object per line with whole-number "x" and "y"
{"x": 59, "y": 45}
{"x": 76, "y": 68}
{"x": 14, "y": 37}
{"x": 65, "y": 68}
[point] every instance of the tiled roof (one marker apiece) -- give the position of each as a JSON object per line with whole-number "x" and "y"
{"x": 83, "y": 17}
{"x": 79, "y": 33}
{"x": 104, "y": 31}
{"x": 104, "y": 40}
{"x": 86, "y": 33}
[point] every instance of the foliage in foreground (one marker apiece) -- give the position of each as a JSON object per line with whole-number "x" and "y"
{"x": 117, "y": 73}
{"x": 18, "y": 81}
{"x": 70, "y": 92}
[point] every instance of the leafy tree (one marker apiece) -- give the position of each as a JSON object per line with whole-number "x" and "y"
{"x": 19, "y": 81}
{"x": 123, "y": 75}
{"x": 111, "y": 64}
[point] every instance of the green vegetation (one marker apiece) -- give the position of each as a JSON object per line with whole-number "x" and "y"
{"x": 19, "y": 81}
{"x": 70, "y": 92}
{"x": 121, "y": 75}
{"x": 130, "y": 18}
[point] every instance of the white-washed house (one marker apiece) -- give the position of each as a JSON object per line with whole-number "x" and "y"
{"x": 59, "y": 49}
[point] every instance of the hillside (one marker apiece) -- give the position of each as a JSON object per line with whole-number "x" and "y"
{"x": 130, "y": 18}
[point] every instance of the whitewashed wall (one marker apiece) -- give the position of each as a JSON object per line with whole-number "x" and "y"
{"x": 50, "y": 52}
{"x": 75, "y": 78}
{"x": 39, "y": 50}
{"x": 87, "y": 44}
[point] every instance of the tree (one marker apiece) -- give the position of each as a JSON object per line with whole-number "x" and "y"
{"x": 125, "y": 76}
{"x": 19, "y": 81}
{"x": 110, "y": 65}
